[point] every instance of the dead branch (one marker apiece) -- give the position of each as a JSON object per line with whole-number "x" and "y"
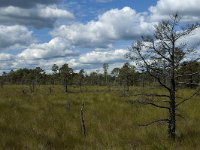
{"x": 155, "y": 121}
{"x": 83, "y": 129}
{"x": 152, "y": 104}
{"x": 150, "y": 68}
{"x": 191, "y": 74}
{"x": 186, "y": 83}
{"x": 180, "y": 116}
{"x": 156, "y": 95}
{"x": 184, "y": 100}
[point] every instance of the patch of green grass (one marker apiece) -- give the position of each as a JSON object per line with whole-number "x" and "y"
{"x": 51, "y": 120}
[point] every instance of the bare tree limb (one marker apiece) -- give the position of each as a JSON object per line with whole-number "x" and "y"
{"x": 155, "y": 121}
{"x": 180, "y": 116}
{"x": 193, "y": 95}
{"x": 157, "y": 51}
{"x": 148, "y": 67}
{"x": 191, "y": 74}
{"x": 196, "y": 84}
{"x": 152, "y": 104}
{"x": 156, "y": 95}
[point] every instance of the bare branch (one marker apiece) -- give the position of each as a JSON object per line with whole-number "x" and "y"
{"x": 148, "y": 67}
{"x": 193, "y": 95}
{"x": 159, "y": 53}
{"x": 187, "y": 31}
{"x": 180, "y": 116}
{"x": 191, "y": 74}
{"x": 195, "y": 84}
{"x": 152, "y": 104}
{"x": 156, "y": 95}
{"x": 165, "y": 101}
{"x": 155, "y": 121}
{"x": 158, "y": 79}
{"x": 166, "y": 46}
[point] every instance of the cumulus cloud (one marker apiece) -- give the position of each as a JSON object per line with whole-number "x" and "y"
{"x": 57, "y": 47}
{"x": 114, "y": 24}
{"x": 89, "y": 61}
{"x": 6, "y": 57}
{"x": 6, "y": 62}
{"x": 189, "y": 9}
{"x": 93, "y": 60}
{"x": 40, "y": 16}
{"x": 26, "y": 3}
{"x": 191, "y": 40}
{"x": 13, "y": 37}
{"x": 96, "y": 57}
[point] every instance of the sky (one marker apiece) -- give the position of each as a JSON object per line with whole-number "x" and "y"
{"x": 82, "y": 33}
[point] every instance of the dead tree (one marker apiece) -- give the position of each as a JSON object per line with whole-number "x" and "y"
{"x": 82, "y": 121}
{"x": 165, "y": 50}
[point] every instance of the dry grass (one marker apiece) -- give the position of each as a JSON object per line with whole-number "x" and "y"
{"x": 44, "y": 120}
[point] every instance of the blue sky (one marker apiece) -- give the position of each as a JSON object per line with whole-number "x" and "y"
{"x": 83, "y": 33}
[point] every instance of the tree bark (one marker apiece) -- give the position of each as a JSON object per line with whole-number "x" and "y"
{"x": 172, "y": 110}
{"x": 172, "y": 116}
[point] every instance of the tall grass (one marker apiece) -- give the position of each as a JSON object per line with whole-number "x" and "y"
{"x": 51, "y": 120}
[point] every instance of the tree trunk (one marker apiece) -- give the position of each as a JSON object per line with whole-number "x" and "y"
{"x": 172, "y": 110}
{"x": 172, "y": 117}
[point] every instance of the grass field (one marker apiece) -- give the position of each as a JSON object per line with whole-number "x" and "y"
{"x": 44, "y": 120}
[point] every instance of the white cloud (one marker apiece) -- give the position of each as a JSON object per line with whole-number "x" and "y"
{"x": 89, "y": 61}
{"x": 40, "y": 16}
{"x": 189, "y": 9}
{"x": 113, "y": 25}
{"x": 6, "y": 57}
{"x": 96, "y": 57}
{"x": 54, "y": 12}
{"x": 26, "y": 3}
{"x": 57, "y": 47}
{"x": 192, "y": 40}
{"x": 13, "y": 37}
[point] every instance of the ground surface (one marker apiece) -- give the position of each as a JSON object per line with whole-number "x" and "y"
{"x": 50, "y": 119}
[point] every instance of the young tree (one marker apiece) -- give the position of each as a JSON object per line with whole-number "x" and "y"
{"x": 105, "y": 69}
{"x": 66, "y": 74}
{"x": 81, "y": 78}
{"x": 166, "y": 48}
{"x": 54, "y": 69}
{"x": 115, "y": 74}
{"x": 126, "y": 76}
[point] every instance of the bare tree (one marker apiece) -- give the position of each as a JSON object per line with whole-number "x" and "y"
{"x": 161, "y": 56}
{"x": 83, "y": 128}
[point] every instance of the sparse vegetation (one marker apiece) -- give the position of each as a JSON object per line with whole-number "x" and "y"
{"x": 41, "y": 120}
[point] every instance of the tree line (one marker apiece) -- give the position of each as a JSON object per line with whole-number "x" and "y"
{"x": 127, "y": 76}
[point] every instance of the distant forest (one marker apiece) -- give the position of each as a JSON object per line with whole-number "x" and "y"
{"x": 127, "y": 76}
